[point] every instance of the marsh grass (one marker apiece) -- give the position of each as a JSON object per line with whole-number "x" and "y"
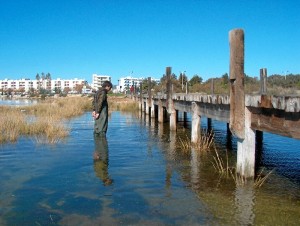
{"x": 48, "y": 130}
{"x": 224, "y": 169}
{"x": 47, "y": 118}
{"x": 205, "y": 142}
{"x": 12, "y": 124}
{"x": 47, "y": 126}
{"x": 219, "y": 165}
{"x": 60, "y": 108}
{"x": 261, "y": 178}
{"x": 185, "y": 144}
{"x": 122, "y": 104}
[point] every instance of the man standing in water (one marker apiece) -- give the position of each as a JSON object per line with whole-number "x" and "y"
{"x": 100, "y": 109}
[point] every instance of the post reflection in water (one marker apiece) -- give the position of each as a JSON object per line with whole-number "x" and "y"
{"x": 244, "y": 201}
{"x": 101, "y": 160}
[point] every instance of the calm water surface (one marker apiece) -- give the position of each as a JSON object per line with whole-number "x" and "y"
{"x": 16, "y": 102}
{"x": 141, "y": 178}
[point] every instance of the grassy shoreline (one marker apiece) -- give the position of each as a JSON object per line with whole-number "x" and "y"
{"x": 45, "y": 121}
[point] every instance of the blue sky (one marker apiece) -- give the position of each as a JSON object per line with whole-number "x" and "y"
{"x": 74, "y": 39}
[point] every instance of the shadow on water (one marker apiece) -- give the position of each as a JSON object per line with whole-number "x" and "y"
{"x": 138, "y": 175}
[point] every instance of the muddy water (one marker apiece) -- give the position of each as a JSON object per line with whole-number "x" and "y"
{"x": 142, "y": 178}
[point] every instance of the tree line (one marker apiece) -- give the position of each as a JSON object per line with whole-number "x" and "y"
{"x": 181, "y": 84}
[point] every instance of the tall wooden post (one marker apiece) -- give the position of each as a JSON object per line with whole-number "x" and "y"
{"x": 149, "y": 99}
{"x": 237, "y": 93}
{"x": 160, "y": 111}
{"x": 263, "y": 81}
{"x": 151, "y": 104}
{"x": 170, "y": 105}
{"x": 196, "y": 123}
{"x": 141, "y": 98}
{"x": 240, "y": 116}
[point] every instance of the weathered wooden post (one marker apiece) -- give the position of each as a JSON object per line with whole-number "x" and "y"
{"x": 151, "y": 104}
{"x": 263, "y": 81}
{"x": 186, "y": 88}
{"x": 160, "y": 111}
{"x": 141, "y": 106}
{"x": 170, "y": 105}
{"x": 263, "y": 91}
{"x": 240, "y": 116}
{"x": 149, "y": 99}
{"x": 196, "y": 123}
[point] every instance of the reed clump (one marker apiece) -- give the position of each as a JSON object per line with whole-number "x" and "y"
{"x": 224, "y": 169}
{"x": 205, "y": 142}
{"x": 122, "y": 104}
{"x": 12, "y": 124}
{"x": 47, "y": 119}
{"x": 219, "y": 165}
{"x": 61, "y": 108}
{"x": 48, "y": 130}
{"x": 261, "y": 178}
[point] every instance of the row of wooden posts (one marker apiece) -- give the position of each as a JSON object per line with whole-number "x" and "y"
{"x": 239, "y": 115}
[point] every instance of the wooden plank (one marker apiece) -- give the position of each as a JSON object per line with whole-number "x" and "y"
{"x": 276, "y": 121}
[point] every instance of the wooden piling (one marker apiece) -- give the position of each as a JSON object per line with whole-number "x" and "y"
{"x": 151, "y": 104}
{"x": 196, "y": 123}
{"x": 141, "y": 106}
{"x": 237, "y": 93}
{"x": 160, "y": 112}
{"x": 240, "y": 116}
{"x": 212, "y": 86}
{"x": 263, "y": 81}
{"x": 170, "y": 105}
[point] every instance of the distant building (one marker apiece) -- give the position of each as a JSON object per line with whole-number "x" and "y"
{"x": 125, "y": 83}
{"x": 26, "y": 84}
{"x": 97, "y": 80}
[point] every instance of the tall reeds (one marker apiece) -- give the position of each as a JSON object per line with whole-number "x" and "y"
{"x": 46, "y": 123}
{"x": 122, "y": 104}
{"x": 230, "y": 172}
{"x": 204, "y": 143}
{"x": 47, "y": 118}
{"x": 12, "y": 124}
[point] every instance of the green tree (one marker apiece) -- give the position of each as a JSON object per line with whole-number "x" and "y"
{"x": 38, "y": 78}
{"x": 225, "y": 79}
{"x": 196, "y": 79}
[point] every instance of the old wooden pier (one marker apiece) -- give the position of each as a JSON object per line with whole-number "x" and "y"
{"x": 247, "y": 115}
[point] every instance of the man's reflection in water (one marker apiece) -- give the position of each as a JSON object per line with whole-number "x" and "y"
{"x": 101, "y": 160}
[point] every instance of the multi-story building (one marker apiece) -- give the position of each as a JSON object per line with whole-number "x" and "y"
{"x": 97, "y": 80}
{"x": 125, "y": 83}
{"x": 26, "y": 84}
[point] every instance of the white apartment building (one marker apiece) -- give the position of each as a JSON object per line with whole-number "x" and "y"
{"x": 125, "y": 83}
{"x": 27, "y": 84}
{"x": 97, "y": 80}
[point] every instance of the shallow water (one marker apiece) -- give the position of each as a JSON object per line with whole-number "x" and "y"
{"x": 16, "y": 102}
{"x": 141, "y": 178}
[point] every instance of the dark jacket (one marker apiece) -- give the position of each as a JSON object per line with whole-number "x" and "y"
{"x": 100, "y": 100}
